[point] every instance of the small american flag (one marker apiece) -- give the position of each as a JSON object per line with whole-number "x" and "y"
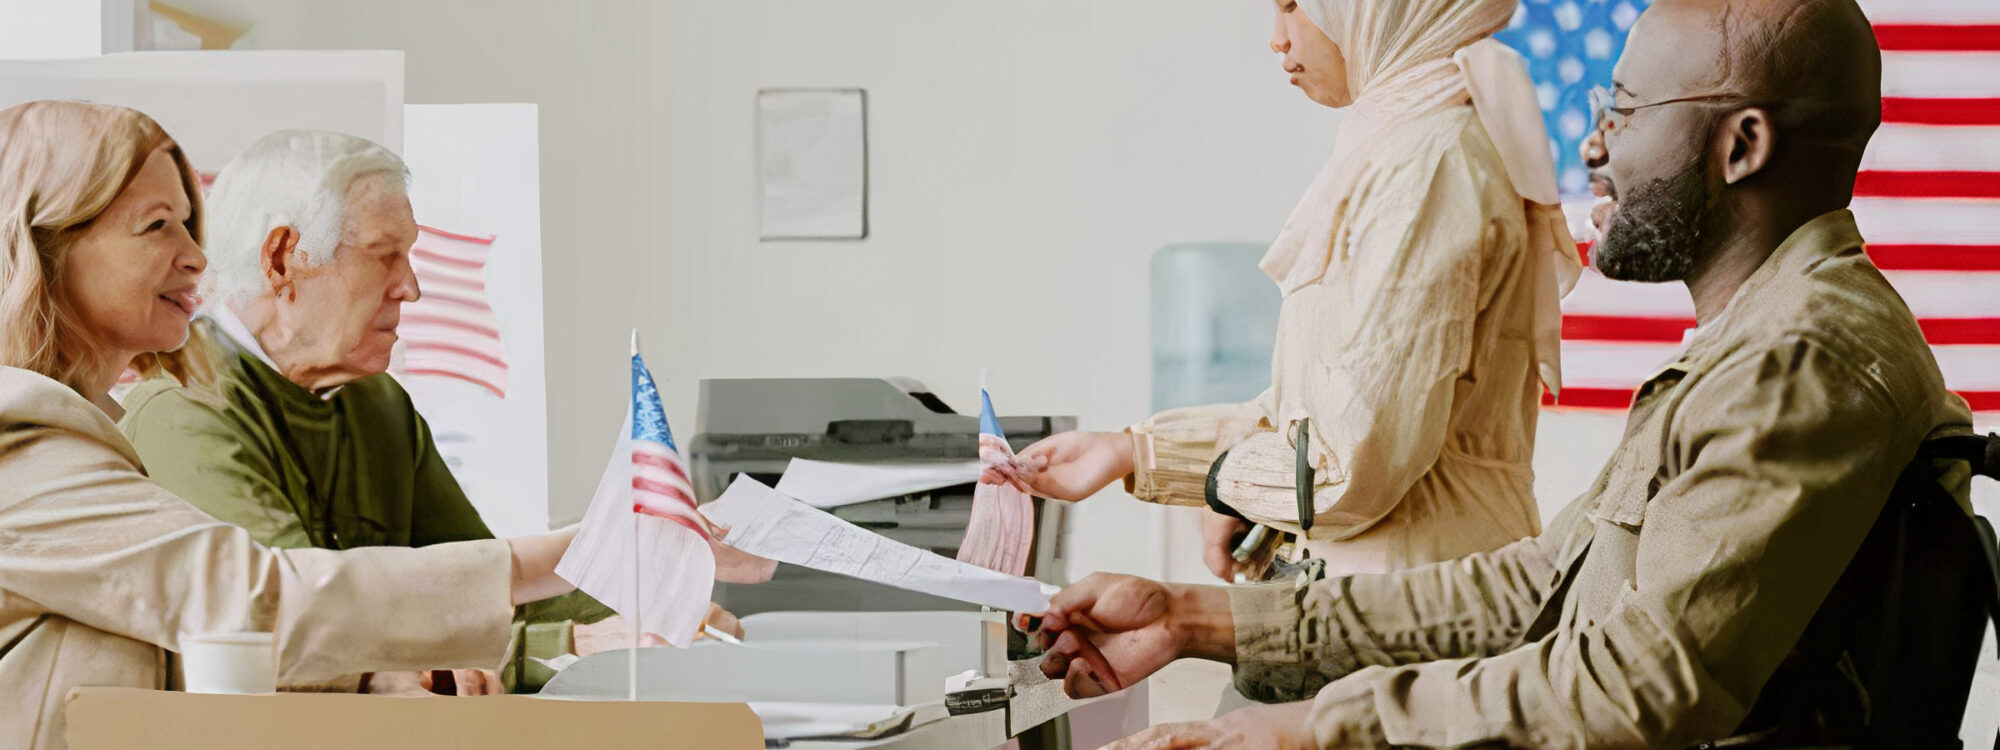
{"x": 660, "y": 484}
{"x": 1928, "y": 197}
{"x": 451, "y": 332}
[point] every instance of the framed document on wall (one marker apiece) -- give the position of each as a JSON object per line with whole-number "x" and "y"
{"x": 812, "y": 164}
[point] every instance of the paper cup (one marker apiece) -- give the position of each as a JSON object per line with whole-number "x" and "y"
{"x": 230, "y": 663}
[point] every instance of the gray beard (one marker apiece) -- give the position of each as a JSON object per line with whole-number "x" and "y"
{"x": 1655, "y": 234}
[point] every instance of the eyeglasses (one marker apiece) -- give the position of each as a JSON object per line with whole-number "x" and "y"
{"x": 1611, "y": 117}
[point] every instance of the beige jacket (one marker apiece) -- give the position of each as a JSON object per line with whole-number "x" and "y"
{"x": 1656, "y": 606}
{"x": 101, "y": 572}
{"x": 1414, "y": 357}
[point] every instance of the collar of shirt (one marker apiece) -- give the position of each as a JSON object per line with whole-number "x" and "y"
{"x": 1828, "y": 234}
{"x": 225, "y": 319}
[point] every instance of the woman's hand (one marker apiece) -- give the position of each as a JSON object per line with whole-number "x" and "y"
{"x": 1218, "y": 541}
{"x": 609, "y": 634}
{"x": 1070, "y": 466}
{"x": 535, "y": 559}
{"x": 721, "y": 619}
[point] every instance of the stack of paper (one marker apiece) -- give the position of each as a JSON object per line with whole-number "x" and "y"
{"x": 825, "y": 484}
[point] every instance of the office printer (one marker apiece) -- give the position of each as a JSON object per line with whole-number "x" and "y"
{"x": 757, "y": 426}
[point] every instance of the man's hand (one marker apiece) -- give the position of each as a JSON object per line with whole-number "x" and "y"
{"x": 1108, "y": 632}
{"x": 722, "y": 620}
{"x": 609, "y": 634}
{"x": 1279, "y": 727}
{"x": 418, "y": 684}
{"x": 1070, "y": 466}
{"x": 1218, "y": 539}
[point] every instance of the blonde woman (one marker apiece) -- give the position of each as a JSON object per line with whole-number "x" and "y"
{"x": 101, "y": 571}
{"x": 1421, "y": 274}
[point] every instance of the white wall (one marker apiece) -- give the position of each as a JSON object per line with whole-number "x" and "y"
{"x": 1026, "y": 157}
{"x": 46, "y": 29}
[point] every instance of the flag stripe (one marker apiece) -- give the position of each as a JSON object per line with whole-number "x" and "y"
{"x": 1937, "y": 37}
{"x": 1929, "y": 148}
{"x": 1927, "y": 221}
{"x": 456, "y": 375}
{"x": 1955, "y": 111}
{"x": 474, "y": 303}
{"x": 441, "y": 346}
{"x": 1621, "y": 399}
{"x": 427, "y": 319}
{"x": 1940, "y": 75}
{"x": 425, "y": 253}
{"x": 1878, "y": 184}
{"x": 661, "y": 489}
{"x": 662, "y": 463}
{"x": 1939, "y": 331}
{"x": 1591, "y": 398}
{"x": 1935, "y": 257}
{"x": 1931, "y": 11}
{"x": 479, "y": 240}
{"x": 433, "y": 274}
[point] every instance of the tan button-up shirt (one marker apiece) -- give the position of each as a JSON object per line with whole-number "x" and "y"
{"x": 1414, "y": 358}
{"x": 102, "y": 572}
{"x": 1656, "y": 605}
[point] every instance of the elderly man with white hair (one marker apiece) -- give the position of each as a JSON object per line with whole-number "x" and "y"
{"x": 303, "y": 440}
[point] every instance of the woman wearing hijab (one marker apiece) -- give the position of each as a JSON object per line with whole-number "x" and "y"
{"x": 103, "y": 572}
{"x": 1421, "y": 276}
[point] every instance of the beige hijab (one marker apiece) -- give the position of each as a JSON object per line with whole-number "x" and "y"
{"x": 1409, "y": 58}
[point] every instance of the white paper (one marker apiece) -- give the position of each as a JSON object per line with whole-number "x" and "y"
{"x": 788, "y": 721}
{"x": 765, "y": 522}
{"x": 829, "y": 484}
{"x": 1037, "y": 698}
{"x": 667, "y": 589}
{"x": 812, "y": 163}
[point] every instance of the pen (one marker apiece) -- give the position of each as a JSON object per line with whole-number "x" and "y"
{"x": 716, "y": 633}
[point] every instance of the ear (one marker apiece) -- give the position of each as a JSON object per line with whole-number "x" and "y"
{"x": 1748, "y": 140}
{"x": 276, "y": 257}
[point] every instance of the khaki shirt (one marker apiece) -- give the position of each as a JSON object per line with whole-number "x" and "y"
{"x": 102, "y": 571}
{"x": 1656, "y": 605}
{"x": 1414, "y": 358}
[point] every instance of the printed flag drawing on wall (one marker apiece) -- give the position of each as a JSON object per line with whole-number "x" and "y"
{"x": 1002, "y": 528}
{"x": 1928, "y": 197}
{"x": 452, "y": 332}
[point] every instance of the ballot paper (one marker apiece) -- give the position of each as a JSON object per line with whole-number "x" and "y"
{"x": 1037, "y": 698}
{"x": 796, "y": 721}
{"x": 828, "y": 484}
{"x": 767, "y": 523}
{"x": 1002, "y": 528}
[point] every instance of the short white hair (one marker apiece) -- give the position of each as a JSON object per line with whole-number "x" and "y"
{"x": 294, "y": 178}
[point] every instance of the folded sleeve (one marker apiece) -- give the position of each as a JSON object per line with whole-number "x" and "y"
{"x": 1172, "y": 451}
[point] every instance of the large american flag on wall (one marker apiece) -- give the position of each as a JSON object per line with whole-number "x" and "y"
{"x": 1928, "y": 199}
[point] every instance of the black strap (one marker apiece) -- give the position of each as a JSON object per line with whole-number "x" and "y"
{"x": 1304, "y": 476}
{"x": 1208, "y": 492}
